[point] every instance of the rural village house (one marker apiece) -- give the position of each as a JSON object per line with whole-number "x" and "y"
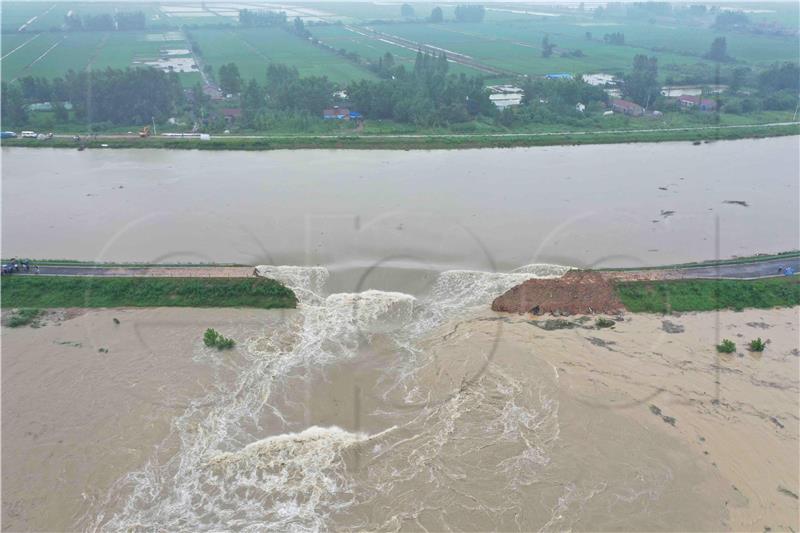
{"x": 697, "y": 102}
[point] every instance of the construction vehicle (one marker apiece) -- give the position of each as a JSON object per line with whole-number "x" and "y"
{"x": 145, "y": 132}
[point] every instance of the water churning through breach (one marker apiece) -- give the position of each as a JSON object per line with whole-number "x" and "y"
{"x": 246, "y": 457}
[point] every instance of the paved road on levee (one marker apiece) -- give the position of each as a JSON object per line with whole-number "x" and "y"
{"x": 151, "y": 271}
{"x": 755, "y": 269}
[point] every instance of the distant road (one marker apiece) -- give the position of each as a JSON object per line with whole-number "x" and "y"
{"x": 749, "y": 270}
{"x": 463, "y": 135}
{"x": 760, "y": 269}
{"x": 144, "y": 271}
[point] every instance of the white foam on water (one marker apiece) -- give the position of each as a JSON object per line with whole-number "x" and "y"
{"x": 374, "y": 311}
{"x": 308, "y": 283}
{"x": 227, "y": 475}
{"x": 284, "y": 482}
{"x": 182, "y": 494}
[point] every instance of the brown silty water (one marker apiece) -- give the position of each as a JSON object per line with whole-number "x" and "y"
{"x": 380, "y": 410}
{"x": 370, "y": 410}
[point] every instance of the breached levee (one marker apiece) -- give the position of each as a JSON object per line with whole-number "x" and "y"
{"x": 230, "y": 473}
{"x": 307, "y": 282}
{"x": 576, "y": 293}
{"x": 373, "y": 311}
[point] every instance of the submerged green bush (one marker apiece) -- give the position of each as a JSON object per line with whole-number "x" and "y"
{"x": 604, "y": 323}
{"x": 757, "y": 345}
{"x": 726, "y": 346}
{"x": 23, "y": 317}
{"x": 213, "y": 339}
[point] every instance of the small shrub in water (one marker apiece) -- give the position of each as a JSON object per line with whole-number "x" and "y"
{"x": 214, "y": 339}
{"x": 757, "y": 345}
{"x": 726, "y": 346}
{"x": 23, "y": 317}
{"x": 604, "y": 323}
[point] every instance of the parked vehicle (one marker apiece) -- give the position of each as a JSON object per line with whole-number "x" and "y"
{"x": 7, "y": 135}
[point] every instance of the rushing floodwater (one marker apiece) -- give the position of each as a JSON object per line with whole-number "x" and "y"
{"x": 364, "y": 409}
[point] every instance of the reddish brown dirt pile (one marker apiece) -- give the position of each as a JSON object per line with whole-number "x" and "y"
{"x": 576, "y": 293}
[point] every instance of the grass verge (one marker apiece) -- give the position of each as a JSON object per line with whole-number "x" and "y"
{"x": 74, "y": 291}
{"x": 421, "y": 142}
{"x": 708, "y": 295}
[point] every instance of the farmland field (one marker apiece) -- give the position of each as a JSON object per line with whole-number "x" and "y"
{"x": 253, "y": 49}
{"x": 509, "y": 38}
{"x": 353, "y": 39}
{"x": 53, "y": 54}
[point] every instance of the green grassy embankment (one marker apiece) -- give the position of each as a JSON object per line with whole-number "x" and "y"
{"x": 708, "y": 295}
{"x": 421, "y": 142}
{"x": 75, "y": 291}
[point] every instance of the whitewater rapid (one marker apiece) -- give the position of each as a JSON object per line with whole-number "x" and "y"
{"x": 228, "y": 473}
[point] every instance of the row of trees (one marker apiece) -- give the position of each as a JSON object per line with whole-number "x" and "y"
{"x": 261, "y": 18}
{"x": 463, "y": 13}
{"x": 614, "y": 38}
{"x": 130, "y": 96}
{"x": 123, "y": 20}
{"x": 425, "y": 96}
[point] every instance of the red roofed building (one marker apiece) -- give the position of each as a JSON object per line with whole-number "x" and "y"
{"x": 338, "y": 113}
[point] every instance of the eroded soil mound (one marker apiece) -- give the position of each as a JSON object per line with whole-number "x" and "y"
{"x": 576, "y": 293}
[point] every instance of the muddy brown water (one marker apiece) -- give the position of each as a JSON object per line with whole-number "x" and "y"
{"x": 363, "y": 214}
{"x": 363, "y": 409}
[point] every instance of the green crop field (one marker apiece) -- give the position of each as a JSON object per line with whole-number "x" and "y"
{"x": 52, "y": 54}
{"x": 253, "y": 49}
{"x": 354, "y": 40}
{"x": 516, "y": 46}
{"x": 509, "y": 38}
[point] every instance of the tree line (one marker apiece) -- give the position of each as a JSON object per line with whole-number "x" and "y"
{"x": 122, "y": 21}
{"x": 250, "y": 18}
{"x": 426, "y": 95}
{"x": 115, "y": 96}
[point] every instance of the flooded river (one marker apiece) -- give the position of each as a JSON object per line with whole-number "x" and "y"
{"x": 490, "y": 210}
{"x": 393, "y": 399}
